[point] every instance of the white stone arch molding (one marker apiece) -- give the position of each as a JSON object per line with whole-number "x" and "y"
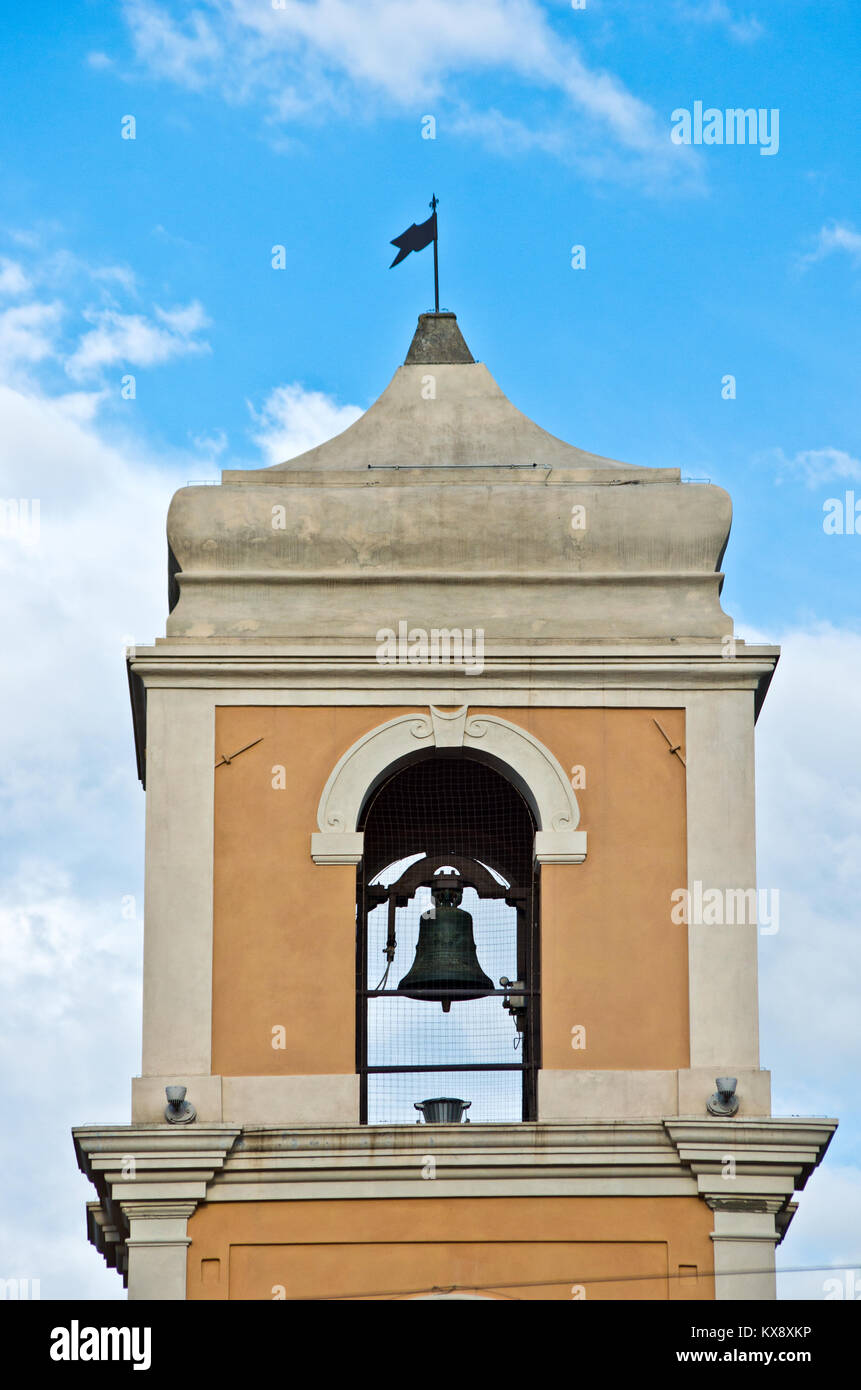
{"x": 529, "y": 765}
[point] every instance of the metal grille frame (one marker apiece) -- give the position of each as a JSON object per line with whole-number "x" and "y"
{"x": 482, "y": 812}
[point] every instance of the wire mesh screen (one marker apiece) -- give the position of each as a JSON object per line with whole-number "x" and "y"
{"x": 450, "y": 822}
{"x": 494, "y": 1096}
{"x": 450, "y": 805}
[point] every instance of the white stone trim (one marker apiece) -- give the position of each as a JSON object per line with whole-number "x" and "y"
{"x": 580, "y": 1094}
{"x": 563, "y": 1095}
{"x": 535, "y": 771}
{"x": 177, "y": 967}
{"x": 744, "y": 1243}
{"x": 560, "y": 846}
{"x": 588, "y": 1158}
{"x": 332, "y": 1187}
{"x": 157, "y": 1249}
{"x": 773, "y": 1157}
{"x": 449, "y": 726}
{"x": 291, "y": 1100}
{"x": 337, "y": 847}
{"x": 721, "y": 851}
{"x": 341, "y": 673}
{"x": 351, "y": 777}
{"x": 625, "y": 1095}
{"x": 755, "y": 1159}
{"x": 149, "y": 1179}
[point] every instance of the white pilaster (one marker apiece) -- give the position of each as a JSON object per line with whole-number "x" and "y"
{"x": 177, "y": 991}
{"x": 722, "y": 960}
{"x": 157, "y": 1247}
{"x": 744, "y": 1242}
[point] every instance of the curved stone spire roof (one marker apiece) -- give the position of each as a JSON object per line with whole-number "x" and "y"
{"x": 442, "y": 408}
{"x": 443, "y": 505}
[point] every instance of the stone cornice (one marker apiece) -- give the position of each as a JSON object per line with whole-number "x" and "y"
{"x": 175, "y": 1170}
{"x": 362, "y": 575}
{"x": 139, "y": 1162}
{"x": 803, "y": 1138}
{"x": 595, "y": 668}
{"x": 216, "y": 1162}
{"x": 146, "y": 1172}
{"x": 403, "y": 475}
{"x": 342, "y": 673}
{"x": 761, "y": 1158}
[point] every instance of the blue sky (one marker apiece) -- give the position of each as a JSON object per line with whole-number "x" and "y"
{"x": 302, "y": 126}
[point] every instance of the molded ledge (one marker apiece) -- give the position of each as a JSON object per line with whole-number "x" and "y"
{"x": 337, "y": 846}
{"x": 560, "y": 846}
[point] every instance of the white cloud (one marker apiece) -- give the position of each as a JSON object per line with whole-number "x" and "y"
{"x": 47, "y": 331}
{"x": 833, "y": 237}
{"x": 57, "y": 269}
{"x": 505, "y": 133}
{"x": 170, "y": 237}
{"x": 28, "y": 333}
{"x": 12, "y": 278}
{"x": 817, "y": 466}
{"x": 293, "y": 420}
{"x": 99, "y": 60}
{"x": 63, "y": 271}
{"x": 48, "y": 946}
{"x": 92, "y": 581}
{"x": 135, "y": 340}
{"x": 742, "y": 27}
{"x": 180, "y": 54}
{"x": 117, "y": 274}
{"x": 318, "y": 55}
{"x": 825, "y": 1231}
{"x": 184, "y": 321}
{"x": 24, "y": 236}
{"x": 72, "y": 848}
{"x": 809, "y": 847}
{"x": 212, "y": 445}
{"x": 70, "y": 998}
{"x": 98, "y": 572}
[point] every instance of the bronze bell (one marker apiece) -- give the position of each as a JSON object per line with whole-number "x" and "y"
{"x": 446, "y": 958}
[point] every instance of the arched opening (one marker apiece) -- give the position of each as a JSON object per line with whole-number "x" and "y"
{"x": 447, "y": 910}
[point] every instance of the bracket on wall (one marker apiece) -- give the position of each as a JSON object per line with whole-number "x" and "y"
{"x": 671, "y": 747}
{"x": 224, "y": 761}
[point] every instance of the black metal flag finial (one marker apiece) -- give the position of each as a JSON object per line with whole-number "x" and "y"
{"x": 416, "y": 238}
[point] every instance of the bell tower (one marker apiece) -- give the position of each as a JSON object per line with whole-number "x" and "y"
{"x": 451, "y": 910}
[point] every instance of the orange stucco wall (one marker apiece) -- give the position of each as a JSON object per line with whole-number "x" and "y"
{"x": 522, "y": 1248}
{"x": 284, "y": 949}
{"x": 283, "y": 926}
{"x": 611, "y": 959}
